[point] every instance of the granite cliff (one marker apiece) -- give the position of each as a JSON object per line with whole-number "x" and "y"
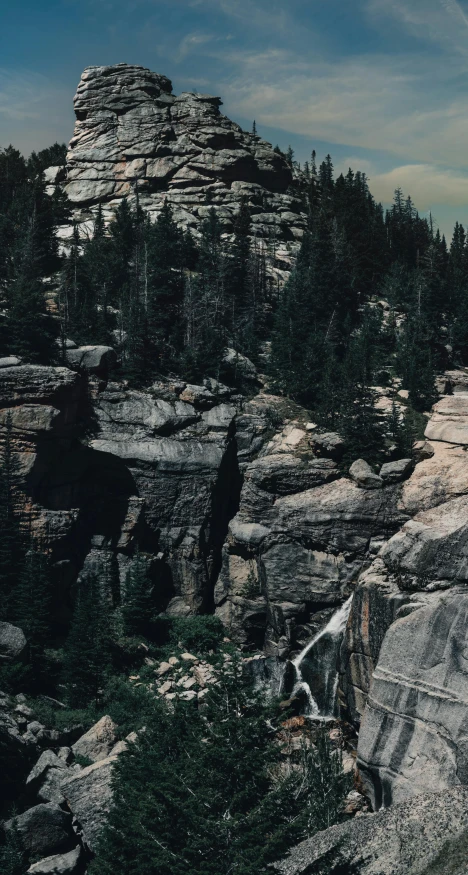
{"x": 134, "y": 137}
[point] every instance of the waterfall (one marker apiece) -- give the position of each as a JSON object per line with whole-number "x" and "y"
{"x": 316, "y": 666}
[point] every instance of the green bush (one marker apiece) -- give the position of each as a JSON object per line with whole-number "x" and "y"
{"x": 201, "y": 634}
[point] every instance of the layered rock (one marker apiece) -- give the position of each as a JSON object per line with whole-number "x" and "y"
{"x": 299, "y": 540}
{"x": 405, "y": 670}
{"x": 133, "y": 133}
{"x": 105, "y": 470}
{"x": 427, "y": 836}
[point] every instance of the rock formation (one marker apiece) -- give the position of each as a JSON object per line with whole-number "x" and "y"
{"x": 133, "y": 134}
{"x": 426, "y": 836}
{"x": 405, "y": 657}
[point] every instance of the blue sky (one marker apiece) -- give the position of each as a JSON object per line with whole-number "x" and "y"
{"x": 380, "y": 84}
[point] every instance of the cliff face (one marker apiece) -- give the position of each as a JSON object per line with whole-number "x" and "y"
{"x": 132, "y": 133}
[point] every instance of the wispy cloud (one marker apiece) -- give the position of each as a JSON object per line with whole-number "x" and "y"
{"x": 373, "y": 101}
{"x": 444, "y": 22}
{"x": 192, "y": 42}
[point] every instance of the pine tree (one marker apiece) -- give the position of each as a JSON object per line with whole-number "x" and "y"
{"x": 137, "y": 608}
{"x": 11, "y": 546}
{"x": 203, "y": 792}
{"x": 32, "y": 332}
{"x": 31, "y": 605}
{"x": 87, "y": 650}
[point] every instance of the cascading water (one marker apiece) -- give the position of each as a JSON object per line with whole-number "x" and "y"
{"x": 316, "y": 666}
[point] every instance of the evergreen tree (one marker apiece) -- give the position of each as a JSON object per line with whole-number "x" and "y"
{"x": 11, "y": 547}
{"x": 31, "y": 606}
{"x": 137, "y": 608}
{"x": 203, "y": 792}
{"x": 31, "y": 331}
{"x": 87, "y": 657}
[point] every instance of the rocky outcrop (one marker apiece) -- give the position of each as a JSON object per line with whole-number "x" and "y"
{"x": 403, "y": 659}
{"x": 105, "y": 469}
{"x": 413, "y": 733}
{"x": 427, "y": 836}
{"x": 133, "y": 133}
{"x": 299, "y": 540}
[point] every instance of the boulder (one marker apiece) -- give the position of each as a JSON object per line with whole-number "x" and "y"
{"x": 97, "y": 743}
{"x": 12, "y": 642}
{"x": 441, "y": 475}
{"x": 426, "y": 836}
{"x": 9, "y": 361}
{"x": 93, "y": 359}
{"x": 393, "y": 472}
{"x": 238, "y": 366}
{"x": 89, "y": 797}
{"x": 46, "y": 776}
{"x": 422, "y": 450}
{"x": 58, "y": 864}
{"x": 364, "y": 476}
{"x": 43, "y": 830}
{"x": 329, "y": 444}
{"x": 199, "y": 396}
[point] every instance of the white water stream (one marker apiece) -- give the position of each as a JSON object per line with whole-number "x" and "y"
{"x": 316, "y": 665}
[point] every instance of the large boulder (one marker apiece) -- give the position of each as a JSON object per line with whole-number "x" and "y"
{"x": 93, "y": 359}
{"x": 393, "y": 472}
{"x": 43, "y": 830}
{"x": 58, "y": 864}
{"x": 12, "y": 642}
{"x": 89, "y": 797}
{"x": 46, "y": 776}
{"x": 426, "y": 836}
{"x": 431, "y": 547}
{"x": 362, "y": 474}
{"x": 97, "y": 743}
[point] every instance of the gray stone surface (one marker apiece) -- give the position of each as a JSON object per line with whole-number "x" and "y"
{"x": 393, "y": 472}
{"x": 432, "y": 547}
{"x": 426, "y": 836}
{"x": 131, "y": 130}
{"x": 328, "y": 444}
{"x": 97, "y": 743}
{"x": 43, "y": 830}
{"x": 89, "y": 797}
{"x": 362, "y": 474}
{"x": 58, "y": 864}
{"x": 12, "y": 642}
{"x": 93, "y": 359}
{"x": 449, "y": 421}
{"x": 413, "y": 735}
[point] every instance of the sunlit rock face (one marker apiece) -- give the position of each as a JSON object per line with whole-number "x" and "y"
{"x": 132, "y": 133}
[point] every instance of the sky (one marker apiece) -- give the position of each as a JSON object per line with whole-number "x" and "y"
{"x": 382, "y": 85}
